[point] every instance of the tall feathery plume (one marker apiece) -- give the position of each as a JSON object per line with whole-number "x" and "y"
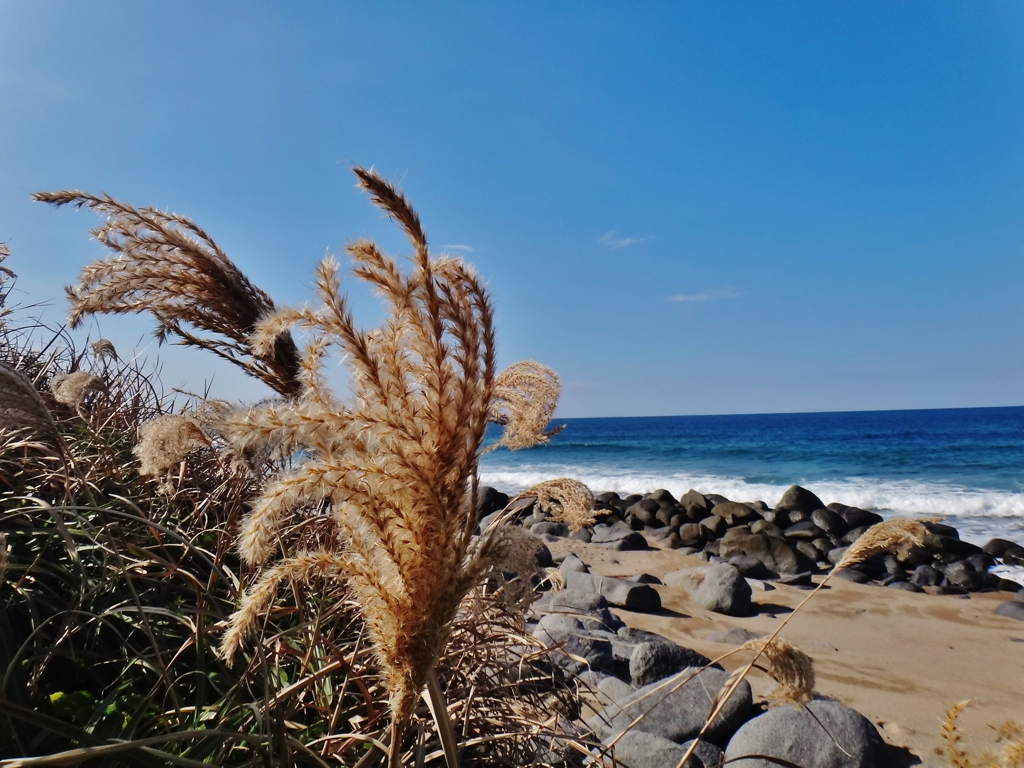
{"x": 899, "y": 535}
{"x": 397, "y": 465}
{"x": 788, "y": 666}
{"x": 166, "y": 265}
{"x": 525, "y": 396}
{"x": 71, "y": 389}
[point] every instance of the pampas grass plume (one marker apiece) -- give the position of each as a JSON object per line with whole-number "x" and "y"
{"x": 897, "y": 535}
{"x": 165, "y": 441}
{"x": 525, "y": 396}
{"x": 23, "y": 409}
{"x": 71, "y": 389}
{"x": 788, "y": 666}
{"x": 565, "y": 499}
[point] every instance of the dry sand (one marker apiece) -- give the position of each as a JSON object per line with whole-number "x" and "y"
{"x": 899, "y": 658}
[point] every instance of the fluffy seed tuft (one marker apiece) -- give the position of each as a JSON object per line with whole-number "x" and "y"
{"x": 71, "y": 389}
{"x": 525, "y": 396}
{"x": 165, "y": 441}
{"x": 897, "y": 535}
{"x": 788, "y": 666}
{"x": 565, "y": 499}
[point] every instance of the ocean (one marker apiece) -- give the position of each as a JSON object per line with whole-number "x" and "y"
{"x": 963, "y": 465}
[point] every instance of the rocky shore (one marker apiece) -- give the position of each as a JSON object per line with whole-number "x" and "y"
{"x": 747, "y": 549}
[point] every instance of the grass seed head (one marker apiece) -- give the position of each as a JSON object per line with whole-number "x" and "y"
{"x": 897, "y": 535}
{"x": 525, "y": 396}
{"x": 565, "y": 499}
{"x": 165, "y": 441}
{"x": 788, "y": 666}
{"x": 71, "y": 389}
{"x": 23, "y": 409}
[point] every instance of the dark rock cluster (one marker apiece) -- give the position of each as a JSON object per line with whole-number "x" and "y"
{"x": 798, "y": 537}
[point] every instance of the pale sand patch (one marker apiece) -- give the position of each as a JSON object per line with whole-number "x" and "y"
{"x": 899, "y": 658}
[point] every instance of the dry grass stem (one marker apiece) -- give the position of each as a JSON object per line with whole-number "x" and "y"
{"x": 897, "y": 535}
{"x": 165, "y": 441}
{"x": 564, "y": 499}
{"x": 525, "y": 396}
{"x": 788, "y": 666}
{"x": 166, "y": 265}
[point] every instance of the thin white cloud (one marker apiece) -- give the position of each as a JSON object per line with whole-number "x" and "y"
{"x": 614, "y": 242}
{"x": 708, "y": 295}
{"x": 457, "y": 247}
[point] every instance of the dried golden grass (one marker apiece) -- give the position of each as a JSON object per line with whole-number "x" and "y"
{"x": 22, "y": 409}
{"x": 71, "y": 389}
{"x": 524, "y": 400}
{"x": 788, "y": 666}
{"x": 396, "y": 466}
{"x": 1010, "y": 733}
{"x": 166, "y": 265}
{"x": 104, "y": 349}
{"x": 564, "y": 499}
{"x": 898, "y": 535}
{"x": 165, "y": 441}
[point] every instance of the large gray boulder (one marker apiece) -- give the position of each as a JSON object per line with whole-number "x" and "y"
{"x": 1011, "y": 609}
{"x": 718, "y": 587}
{"x": 630, "y": 595}
{"x": 580, "y": 650}
{"x": 679, "y": 715}
{"x": 639, "y": 749}
{"x": 653, "y": 661}
{"x": 825, "y": 735}
{"x": 800, "y": 499}
{"x": 776, "y": 554}
{"x": 592, "y": 607}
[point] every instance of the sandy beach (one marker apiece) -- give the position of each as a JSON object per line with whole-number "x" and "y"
{"x": 899, "y": 658}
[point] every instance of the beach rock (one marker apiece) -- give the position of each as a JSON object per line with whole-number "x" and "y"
{"x": 717, "y": 587}
{"x": 906, "y": 586}
{"x": 733, "y": 512}
{"x": 962, "y": 574}
{"x": 489, "y": 501}
{"x": 808, "y": 550}
{"x": 607, "y": 500}
{"x": 550, "y": 528}
{"x": 707, "y": 754}
{"x": 825, "y": 735}
{"x": 734, "y": 636}
{"x": 694, "y": 498}
{"x": 805, "y": 530}
{"x": 571, "y": 634}
{"x": 852, "y": 574}
{"x": 543, "y": 556}
{"x": 751, "y": 568}
{"x": 776, "y": 554}
{"x": 583, "y": 534}
{"x": 714, "y": 525}
{"x": 797, "y": 498}
{"x": 836, "y": 554}
{"x": 1007, "y": 551}
{"x": 854, "y": 517}
{"x": 1019, "y": 597}
{"x": 572, "y": 564}
{"x": 1011, "y": 609}
{"x": 854, "y": 533}
{"x": 767, "y": 528}
{"x": 830, "y": 522}
{"x": 639, "y": 749}
{"x": 980, "y": 561}
{"x": 653, "y": 661}
{"x": 949, "y": 546}
{"x": 681, "y": 715}
{"x": 616, "y": 535}
{"x": 641, "y": 598}
{"x": 614, "y": 690}
{"x": 692, "y": 534}
{"x": 714, "y": 498}
{"x": 927, "y": 576}
{"x": 592, "y": 607}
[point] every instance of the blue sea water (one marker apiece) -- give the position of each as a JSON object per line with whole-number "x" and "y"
{"x": 964, "y": 465}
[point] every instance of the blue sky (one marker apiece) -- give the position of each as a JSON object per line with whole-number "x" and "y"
{"x": 680, "y": 207}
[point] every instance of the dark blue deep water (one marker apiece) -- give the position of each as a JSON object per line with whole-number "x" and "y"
{"x": 965, "y": 465}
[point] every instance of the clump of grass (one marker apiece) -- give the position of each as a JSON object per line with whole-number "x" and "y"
{"x": 1010, "y": 733}
{"x": 395, "y": 469}
{"x": 564, "y": 499}
{"x": 166, "y": 265}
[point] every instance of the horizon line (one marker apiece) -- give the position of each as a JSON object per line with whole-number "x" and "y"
{"x": 799, "y": 413}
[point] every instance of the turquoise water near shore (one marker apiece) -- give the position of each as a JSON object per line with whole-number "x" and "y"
{"x": 964, "y": 465}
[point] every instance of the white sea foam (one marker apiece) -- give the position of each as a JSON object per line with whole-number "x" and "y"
{"x": 979, "y": 514}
